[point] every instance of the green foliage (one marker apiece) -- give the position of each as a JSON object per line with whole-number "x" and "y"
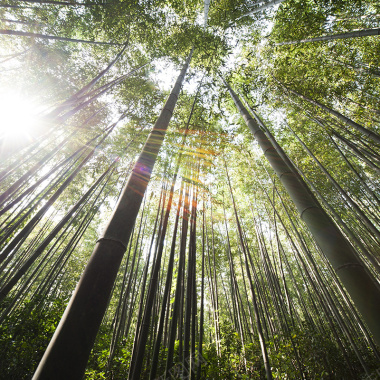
{"x": 233, "y": 362}
{"x": 24, "y": 337}
{"x": 321, "y": 357}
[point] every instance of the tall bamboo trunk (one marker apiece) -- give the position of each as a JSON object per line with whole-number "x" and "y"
{"x": 339, "y": 36}
{"x": 67, "y": 354}
{"x": 356, "y": 278}
{"x": 176, "y": 315}
{"x": 247, "y": 258}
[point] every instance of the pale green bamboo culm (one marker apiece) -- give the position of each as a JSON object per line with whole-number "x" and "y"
{"x": 362, "y": 288}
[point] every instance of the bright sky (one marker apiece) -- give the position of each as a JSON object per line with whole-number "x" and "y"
{"x": 18, "y": 114}
{"x": 166, "y": 73}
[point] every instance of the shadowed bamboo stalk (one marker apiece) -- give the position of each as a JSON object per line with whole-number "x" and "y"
{"x": 168, "y": 282}
{"x": 67, "y": 354}
{"x": 161, "y": 242}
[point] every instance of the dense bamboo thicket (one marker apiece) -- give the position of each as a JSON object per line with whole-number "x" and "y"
{"x": 189, "y": 189}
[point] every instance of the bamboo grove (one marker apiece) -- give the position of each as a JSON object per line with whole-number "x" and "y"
{"x": 189, "y": 189}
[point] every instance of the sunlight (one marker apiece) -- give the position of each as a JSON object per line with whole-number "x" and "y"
{"x": 17, "y": 116}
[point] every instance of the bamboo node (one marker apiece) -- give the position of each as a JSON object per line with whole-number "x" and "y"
{"x": 112, "y": 239}
{"x": 347, "y": 266}
{"x": 307, "y": 208}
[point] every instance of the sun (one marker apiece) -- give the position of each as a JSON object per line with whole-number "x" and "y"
{"x": 17, "y": 115}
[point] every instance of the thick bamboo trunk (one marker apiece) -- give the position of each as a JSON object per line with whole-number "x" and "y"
{"x": 67, "y": 354}
{"x": 357, "y": 280}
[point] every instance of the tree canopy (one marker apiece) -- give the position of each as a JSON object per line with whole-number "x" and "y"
{"x": 189, "y": 189}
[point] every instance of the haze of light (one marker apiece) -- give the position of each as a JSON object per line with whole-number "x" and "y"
{"x": 18, "y": 116}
